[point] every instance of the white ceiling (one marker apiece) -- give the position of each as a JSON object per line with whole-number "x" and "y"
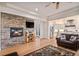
{"x": 42, "y": 10}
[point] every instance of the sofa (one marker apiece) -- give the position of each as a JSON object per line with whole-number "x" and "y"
{"x": 70, "y": 41}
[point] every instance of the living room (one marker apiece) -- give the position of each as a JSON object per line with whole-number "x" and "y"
{"x": 39, "y": 28}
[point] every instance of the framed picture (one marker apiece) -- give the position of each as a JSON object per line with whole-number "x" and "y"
{"x": 70, "y": 23}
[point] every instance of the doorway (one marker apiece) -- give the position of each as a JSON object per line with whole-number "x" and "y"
{"x": 51, "y": 32}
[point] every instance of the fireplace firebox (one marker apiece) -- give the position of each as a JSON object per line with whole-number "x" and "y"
{"x": 16, "y": 32}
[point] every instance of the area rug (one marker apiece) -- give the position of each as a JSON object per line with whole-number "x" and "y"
{"x": 51, "y": 51}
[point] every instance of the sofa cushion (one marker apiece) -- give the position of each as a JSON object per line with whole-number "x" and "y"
{"x": 73, "y": 38}
{"x": 62, "y": 37}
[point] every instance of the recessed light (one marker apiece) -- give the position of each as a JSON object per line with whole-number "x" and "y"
{"x": 36, "y": 9}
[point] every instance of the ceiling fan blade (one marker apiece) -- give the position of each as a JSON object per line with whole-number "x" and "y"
{"x": 57, "y": 5}
{"x": 48, "y": 5}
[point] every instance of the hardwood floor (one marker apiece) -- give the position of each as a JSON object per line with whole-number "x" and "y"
{"x": 26, "y": 48}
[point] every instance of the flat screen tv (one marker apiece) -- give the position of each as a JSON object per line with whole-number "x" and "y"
{"x": 16, "y": 32}
{"x": 29, "y": 24}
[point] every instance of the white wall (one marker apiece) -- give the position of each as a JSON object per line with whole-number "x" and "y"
{"x": 36, "y": 27}
{"x": 44, "y": 29}
{"x": 76, "y": 22}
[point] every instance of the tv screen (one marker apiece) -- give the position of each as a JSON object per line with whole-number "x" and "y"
{"x": 29, "y": 24}
{"x": 16, "y": 32}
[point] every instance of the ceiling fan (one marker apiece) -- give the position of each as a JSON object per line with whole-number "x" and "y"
{"x": 51, "y": 3}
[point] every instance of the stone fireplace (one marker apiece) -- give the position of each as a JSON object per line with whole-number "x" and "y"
{"x": 13, "y": 29}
